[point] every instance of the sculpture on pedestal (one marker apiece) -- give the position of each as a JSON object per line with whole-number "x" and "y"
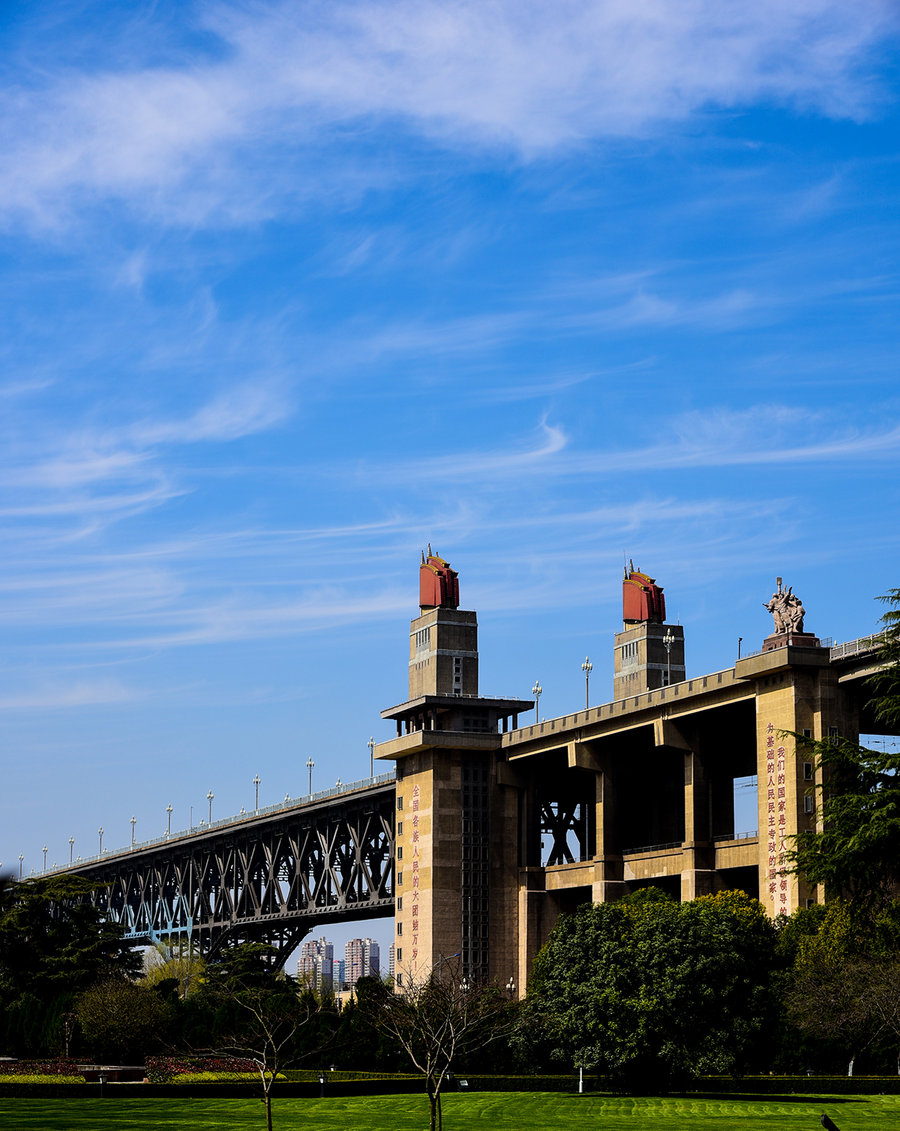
{"x": 787, "y": 610}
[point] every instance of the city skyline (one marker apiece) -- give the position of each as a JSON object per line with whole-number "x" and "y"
{"x": 362, "y": 959}
{"x": 624, "y": 289}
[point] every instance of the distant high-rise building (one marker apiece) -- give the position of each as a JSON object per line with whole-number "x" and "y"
{"x": 316, "y": 965}
{"x": 362, "y": 959}
{"x": 340, "y": 976}
{"x": 391, "y": 954}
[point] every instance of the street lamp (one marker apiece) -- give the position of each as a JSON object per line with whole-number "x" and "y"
{"x": 668, "y": 641}
{"x": 339, "y": 784}
{"x": 537, "y": 691}
{"x": 100, "y": 834}
{"x": 209, "y": 798}
{"x": 510, "y": 988}
{"x": 21, "y": 858}
{"x": 256, "y": 781}
{"x": 309, "y": 765}
{"x": 132, "y": 822}
{"x": 45, "y": 857}
{"x": 169, "y": 818}
{"x": 287, "y": 799}
{"x": 71, "y": 847}
{"x": 587, "y": 667}
{"x": 371, "y": 746}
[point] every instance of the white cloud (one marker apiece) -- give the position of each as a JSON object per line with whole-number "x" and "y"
{"x": 235, "y": 136}
{"x": 239, "y": 411}
{"x": 66, "y": 696}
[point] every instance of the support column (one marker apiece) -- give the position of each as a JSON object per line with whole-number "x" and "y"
{"x": 696, "y": 876}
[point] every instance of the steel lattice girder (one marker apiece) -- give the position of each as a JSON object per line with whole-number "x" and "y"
{"x": 271, "y": 878}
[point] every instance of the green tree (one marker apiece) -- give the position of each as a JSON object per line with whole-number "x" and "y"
{"x": 886, "y": 682}
{"x": 54, "y": 944}
{"x": 176, "y": 964}
{"x": 121, "y": 1020}
{"x": 843, "y": 986}
{"x": 855, "y": 848}
{"x": 656, "y": 992}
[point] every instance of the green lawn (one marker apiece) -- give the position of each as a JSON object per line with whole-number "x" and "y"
{"x": 518, "y": 1111}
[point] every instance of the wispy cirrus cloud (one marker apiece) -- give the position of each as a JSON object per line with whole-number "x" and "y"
{"x": 237, "y": 133}
{"x": 67, "y": 695}
{"x": 103, "y": 474}
{"x": 770, "y": 435}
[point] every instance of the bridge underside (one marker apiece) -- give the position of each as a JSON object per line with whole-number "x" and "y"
{"x": 267, "y": 879}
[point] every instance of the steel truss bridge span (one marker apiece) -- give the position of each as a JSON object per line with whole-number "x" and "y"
{"x": 270, "y": 877}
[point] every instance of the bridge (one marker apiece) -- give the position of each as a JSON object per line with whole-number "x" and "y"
{"x": 268, "y": 876}
{"x": 495, "y": 823}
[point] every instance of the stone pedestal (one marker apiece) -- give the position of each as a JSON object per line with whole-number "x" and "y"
{"x": 794, "y": 639}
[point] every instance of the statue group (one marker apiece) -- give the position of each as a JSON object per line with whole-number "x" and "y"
{"x": 786, "y": 609}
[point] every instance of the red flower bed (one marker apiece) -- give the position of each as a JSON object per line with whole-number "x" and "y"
{"x": 39, "y": 1068}
{"x": 162, "y": 1069}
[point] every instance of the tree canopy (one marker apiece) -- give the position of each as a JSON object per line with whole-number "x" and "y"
{"x": 54, "y": 945}
{"x": 855, "y": 848}
{"x": 657, "y": 991}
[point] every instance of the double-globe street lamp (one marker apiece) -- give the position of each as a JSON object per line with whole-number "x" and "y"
{"x": 587, "y": 667}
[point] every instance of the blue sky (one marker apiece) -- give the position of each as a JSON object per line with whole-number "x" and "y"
{"x": 290, "y": 290}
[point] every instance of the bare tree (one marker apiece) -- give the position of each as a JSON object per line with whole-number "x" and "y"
{"x": 882, "y": 993}
{"x": 833, "y": 1001}
{"x": 269, "y": 1011}
{"x": 435, "y": 1019}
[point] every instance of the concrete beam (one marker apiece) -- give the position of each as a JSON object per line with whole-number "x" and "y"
{"x": 668, "y": 733}
{"x": 581, "y": 757}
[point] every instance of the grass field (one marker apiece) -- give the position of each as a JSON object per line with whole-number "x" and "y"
{"x": 518, "y": 1111}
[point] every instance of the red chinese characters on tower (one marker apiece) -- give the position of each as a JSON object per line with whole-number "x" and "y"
{"x": 776, "y": 821}
{"x": 416, "y": 800}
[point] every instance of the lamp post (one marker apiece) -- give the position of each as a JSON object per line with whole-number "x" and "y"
{"x": 587, "y": 667}
{"x": 371, "y": 746}
{"x": 287, "y": 799}
{"x": 440, "y": 963}
{"x": 740, "y": 642}
{"x": 71, "y": 847}
{"x": 309, "y": 765}
{"x": 339, "y": 784}
{"x": 256, "y": 781}
{"x": 537, "y": 691}
{"x": 510, "y": 988}
{"x": 209, "y": 798}
{"x": 668, "y": 641}
{"x": 100, "y": 834}
{"x": 169, "y": 820}
{"x": 44, "y": 850}
{"x": 132, "y": 822}
{"x": 21, "y": 858}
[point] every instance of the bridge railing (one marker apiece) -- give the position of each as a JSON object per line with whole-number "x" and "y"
{"x": 239, "y": 818}
{"x": 858, "y": 646}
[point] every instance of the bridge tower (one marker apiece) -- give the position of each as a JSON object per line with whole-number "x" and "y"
{"x": 649, "y": 652}
{"x": 456, "y": 830}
